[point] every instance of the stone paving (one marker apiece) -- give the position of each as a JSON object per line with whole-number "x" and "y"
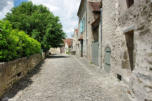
{"x": 68, "y": 78}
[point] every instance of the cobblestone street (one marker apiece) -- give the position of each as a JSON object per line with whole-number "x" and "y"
{"x": 67, "y": 78}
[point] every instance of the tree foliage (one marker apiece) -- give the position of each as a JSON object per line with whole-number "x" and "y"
{"x": 39, "y": 23}
{"x": 15, "y": 44}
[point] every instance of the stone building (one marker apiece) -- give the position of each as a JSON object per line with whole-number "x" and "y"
{"x": 93, "y": 22}
{"x": 76, "y": 43}
{"x": 127, "y": 45}
{"x": 75, "y": 39}
{"x": 67, "y": 45}
{"x": 89, "y": 18}
{"x": 82, "y": 27}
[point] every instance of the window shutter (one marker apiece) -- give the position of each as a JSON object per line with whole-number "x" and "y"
{"x": 81, "y": 26}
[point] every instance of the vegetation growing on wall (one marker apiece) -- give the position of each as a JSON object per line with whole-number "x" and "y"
{"x": 15, "y": 44}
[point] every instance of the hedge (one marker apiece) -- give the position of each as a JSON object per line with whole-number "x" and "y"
{"x": 15, "y": 44}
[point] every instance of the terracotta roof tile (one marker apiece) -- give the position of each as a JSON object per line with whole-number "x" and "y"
{"x": 68, "y": 41}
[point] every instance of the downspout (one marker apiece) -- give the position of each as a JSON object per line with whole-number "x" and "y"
{"x": 86, "y": 28}
{"x": 100, "y": 40}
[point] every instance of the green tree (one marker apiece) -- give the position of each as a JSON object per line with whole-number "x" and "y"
{"x": 39, "y": 23}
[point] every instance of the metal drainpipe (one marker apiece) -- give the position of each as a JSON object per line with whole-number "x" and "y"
{"x": 86, "y": 29}
{"x": 100, "y": 41}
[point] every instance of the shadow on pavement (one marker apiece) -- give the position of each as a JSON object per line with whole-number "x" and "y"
{"x": 57, "y": 56}
{"x": 22, "y": 84}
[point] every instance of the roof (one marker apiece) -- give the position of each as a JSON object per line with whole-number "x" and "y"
{"x": 80, "y": 7}
{"x": 95, "y": 6}
{"x": 68, "y": 41}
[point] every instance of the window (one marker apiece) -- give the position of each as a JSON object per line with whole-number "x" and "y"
{"x": 130, "y": 3}
{"x": 130, "y": 46}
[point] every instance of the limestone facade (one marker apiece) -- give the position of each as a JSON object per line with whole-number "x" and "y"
{"x": 92, "y": 33}
{"x": 127, "y": 45}
{"x": 86, "y": 14}
{"x": 68, "y": 43}
{"x": 82, "y": 27}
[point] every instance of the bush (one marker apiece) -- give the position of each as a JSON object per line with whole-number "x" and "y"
{"x": 15, "y": 44}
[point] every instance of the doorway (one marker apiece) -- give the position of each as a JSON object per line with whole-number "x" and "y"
{"x": 130, "y": 46}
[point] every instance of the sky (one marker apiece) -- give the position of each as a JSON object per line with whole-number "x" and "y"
{"x": 65, "y": 9}
{"x": 18, "y": 2}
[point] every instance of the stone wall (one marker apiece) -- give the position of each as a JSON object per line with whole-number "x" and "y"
{"x": 90, "y": 19}
{"x": 108, "y": 32}
{"x": 89, "y": 37}
{"x": 139, "y": 18}
{"x": 118, "y": 19}
{"x": 82, "y": 15}
{"x": 55, "y": 50}
{"x": 12, "y": 71}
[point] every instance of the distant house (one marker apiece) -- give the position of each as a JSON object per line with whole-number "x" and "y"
{"x": 18, "y": 2}
{"x": 82, "y": 27}
{"x": 89, "y": 21}
{"x": 76, "y": 42}
{"x": 67, "y": 45}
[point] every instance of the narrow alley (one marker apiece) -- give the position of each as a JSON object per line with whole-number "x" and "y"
{"x": 67, "y": 78}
